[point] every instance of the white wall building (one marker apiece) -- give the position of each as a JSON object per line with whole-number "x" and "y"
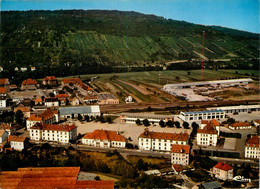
{"x": 53, "y": 133}
{"x": 240, "y": 126}
{"x": 132, "y": 117}
{"x": 223, "y": 171}
{"x": 51, "y": 102}
{"x": 2, "y": 102}
{"x": 104, "y": 138}
{"x": 17, "y": 142}
{"x": 69, "y": 112}
{"x": 207, "y": 135}
{"x": 202, "y": 115}
{"x": 180, "y": 154}
{"x": 252, "y": 148}
{"x": 161, "y": 141}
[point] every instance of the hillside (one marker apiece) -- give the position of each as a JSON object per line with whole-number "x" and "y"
{"x": 89, "y": 40}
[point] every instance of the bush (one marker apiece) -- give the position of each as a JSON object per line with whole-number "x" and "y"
{"x": 177, "y": 124}
{"x": 146, "y": 122}
{"x": 185, "y": 125}
{"x": 138, "y": 122}
{"x": 162, "y": 123}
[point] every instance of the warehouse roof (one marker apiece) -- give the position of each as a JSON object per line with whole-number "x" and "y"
{"x": 235, "y": 107}
{"x": 203, "y": 112}
{"x": 79, "y": 110}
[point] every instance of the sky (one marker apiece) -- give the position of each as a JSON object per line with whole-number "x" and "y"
{"x": 237, "y": 14}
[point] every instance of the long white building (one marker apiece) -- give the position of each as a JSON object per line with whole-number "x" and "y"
{"x": 180, "y": 154}
{"x": 237, "y": 109}
{"x": 53, "y": 133}
{"x": 105, "y": 139}
{"x": 170, "y": 87}
{"x": 132, "y": 117}
{"x": 69, "y": 112}
{"x": 202, "y": 115}
{"x": 160, "y": 141}
{"x": 252, "y": 148}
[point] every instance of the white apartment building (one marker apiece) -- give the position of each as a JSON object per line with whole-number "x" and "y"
{"x": 17, "y": 142}
{"x": 202, "y": 115}
{"x": 104, "y": 138}
{"x": 252, "y": 148}
{"x": 161, "y": 141}
{"x": 180, "y": 154}
{"x": 223, "y": 171}
{"x": 53, "y": 133}
{"x": 207, "y": 135}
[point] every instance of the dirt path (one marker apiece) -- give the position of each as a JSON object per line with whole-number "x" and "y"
{"x": 145, "y": 92}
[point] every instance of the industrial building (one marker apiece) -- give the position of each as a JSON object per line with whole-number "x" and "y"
{"x": 236, "y": 109}
{"x": 223, "y": 83}
{"x": 202, "y": 115}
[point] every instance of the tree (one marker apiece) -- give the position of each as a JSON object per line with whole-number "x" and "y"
{"x": 162, "y": 123}
{"x": 194, "y": 126}
{"x": 18, "y": 117}
{"x": 109, "y": 120}
{"x": 87, "y": 118}
{"x": 177, "y": 78}
{"x": 102, "y": 119}
{"x": 177, "y": 124}
{"x": 169, "y": 123}
{"x": 231, "y": 120}
{"x": 72, "y": 116}
{"x": 80, "y": 117}
{"x": 138, "y": 122}
{"x": 97, "y": 178}
{"x": 146, "y": 122}
{"x": 149, "y": 109}
{"x": 185, "y": 125}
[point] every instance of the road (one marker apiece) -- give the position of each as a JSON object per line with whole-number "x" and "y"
{"x": 236, "y": 161}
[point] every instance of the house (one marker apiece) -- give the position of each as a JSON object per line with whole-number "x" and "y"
{"x": 47, "y": 117}
{"x": 29, "y": 84}
{"x": 38, "y": 102}
{"x": 1, "y": 69}
{"x": 13, "y": 87}
{"x": 51, "y": 101}
{"x": 50, "y": 177}
{"x": 5, "y": 83}
{"x": 26, "y": 111}
{"x": 53, "y": 133}
{"x": 71, "y": 81}
{"x": 16, "y": 69}
{"x": 73, "y": 112}
{"x": 256, "y": 122}
{"x": 74, "y": 101}
{"x": 104, "y": 138}
{"x": 107, "y": 98}
{"x": 23, "y": 69}
{"x": 17, "y": 142}
{"x": 3, "y": 136}
{"x": 223, "y": 171}
{"x": 180, "y": 154}
{"x": 240, "y": 126}
{"x": 2, "y": 102}
{"x": 8, "y": 128}
{"x": 207, "y": 135}
{"x": 211, "y": 185}
{"x": 160, "y": 141}
{"x": 177, "y": 169}
{"x": 91, "y": 99}
{"x": 33, "y": 68}
{"x": 3, "y": 91}
{"x": 50, "y": 80}
{"x": 252, "y": 148}
{"x": 63, "y": 98}
{"x": 129, "y": 99}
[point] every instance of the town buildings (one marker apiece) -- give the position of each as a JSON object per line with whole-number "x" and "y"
{"x": 223, "y": 171}
{"x": 160, "y": 141}
{"x": 202, "y": 115}
{"x": 240, "y": 126}
{"x": 104, "y": 138}
{"x": 180, "y": 154}
{"x": 207, "y": 135}
{"x": 29, "y": 84}
{"x": 17, "y": 142}
{"x": 50, "y": 80}
{"x": 73, "y": 112}
{"x": 107, "y": 98}
{"x": 252, "y": 148}
{"x": 53, "y": 133}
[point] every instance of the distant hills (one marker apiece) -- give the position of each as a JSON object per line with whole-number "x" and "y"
{"x": 89, "y": 39}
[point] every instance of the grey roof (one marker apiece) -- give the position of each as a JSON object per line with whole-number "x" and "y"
{"x": 203, "y": 112}
{"x": 211, "y": 185}
{"x": 79, "y": 110}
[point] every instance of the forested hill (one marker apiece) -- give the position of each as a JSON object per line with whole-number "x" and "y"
{"x": 94, "y": 38}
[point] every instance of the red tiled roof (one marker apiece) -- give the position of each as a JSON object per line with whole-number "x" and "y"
{"x": 38, "y": 100}
{"x": 177, "y": 167}
{"x": 48, "y": 177}
{"x": 34, "y": 118}
{"x": 6, "y": 126}
{"x": 210, "y": 127}
{"x": 62, "y": 96}
{"x": 22, "y": 108}
{"x": 72, "y": 80}
{"x": 2, "y": 90}
{"x": 253, "y": 142}
{"x": 49, "y": 78}
{"x": 223, "y": 166}
{"x": 257, "y": 121}
{"x": 16, "y": 138}
{"x": 95, "y": 97}
{"x": 177, "y": 148}
{"x": 29, "y": 82}
{"x": 55, "y": 127}
{"x": 165, "y": 136}
{"x": 105, "y": 135}
{"x": 240, "y": 124}
{"x": 3, "y": 81}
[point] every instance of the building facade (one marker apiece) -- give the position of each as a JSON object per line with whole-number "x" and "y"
{"x": 70, "y": 112}
{"x": 29, "y": 84}
{"x": 17, "y": 142}
{"x": 131, "y": 118}
{"x": 223, "y": 171}
{"x": 51, "y": 102}
{"x": 158, "y": 141}
{"x": 50, "y": 80}
{"x": 237, "y": 109}
{"x": 207, "y": 135}
{"x": 252, "y": 148}
{"x": 180, "y": 154}
{"x": 105, "y": 139}
{"x": 53, "y": 133}
{"x": 202, "y": 115}
{"x": 240, "y": 126}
